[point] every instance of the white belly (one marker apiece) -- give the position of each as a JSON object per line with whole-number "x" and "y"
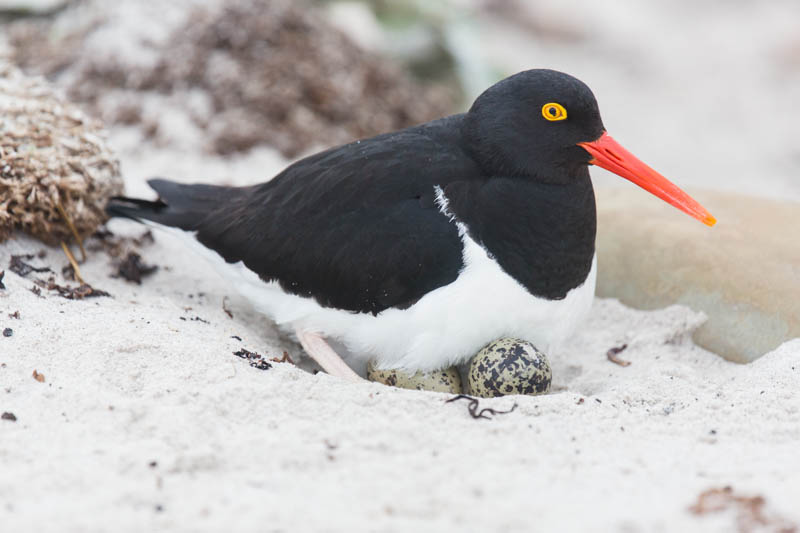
{"x": 447, "y": 326}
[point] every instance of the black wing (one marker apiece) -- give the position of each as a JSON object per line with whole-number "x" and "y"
{"x": 355, "y": 227}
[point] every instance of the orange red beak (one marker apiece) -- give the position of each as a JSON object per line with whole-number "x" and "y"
{"x": 610, "y": 155}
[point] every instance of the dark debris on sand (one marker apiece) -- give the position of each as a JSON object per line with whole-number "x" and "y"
{"x": 195, "y": 319}
{"x": 117, "y": 245}
{"x": 133, "y": 269}
{"x": 70, "y": 293}
{"x": 613, "y": 353}
{"x": 751, "y": 511}
{"x": 474, "y": 407}
{"x": 18, "y": 266}
{"x": 286, "y": 358}
{"x": 125, "y": 253}
{"x": 68, "y": 272}
{"x": 254, "y": 359}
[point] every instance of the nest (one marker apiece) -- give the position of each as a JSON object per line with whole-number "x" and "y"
{"x": 267, "y": 72}
{"x": 55, "y": 168}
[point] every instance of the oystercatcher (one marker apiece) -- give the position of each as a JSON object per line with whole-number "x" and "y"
{"x": 418, "y": 247}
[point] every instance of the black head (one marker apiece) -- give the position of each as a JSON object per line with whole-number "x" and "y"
{"x": 517, "y": 126}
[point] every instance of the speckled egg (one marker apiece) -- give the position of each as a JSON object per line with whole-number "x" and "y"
{"x": 509, "y": 366}
{"x": 447, "y": 380}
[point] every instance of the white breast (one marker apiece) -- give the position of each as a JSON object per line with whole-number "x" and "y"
{"x": 445, "y": 327}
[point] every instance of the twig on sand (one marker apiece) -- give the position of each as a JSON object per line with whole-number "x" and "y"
{"x": 284, "y": 359}
{"x": 21, "y": 268}
{"x": 612, "y": 355}
{"x": 71, "y": 258}
{"x": 750, "y": 510}
{"x": 225, "y": 307}
{"x": 74, "y": 231}
{"x": 474, "y": 405}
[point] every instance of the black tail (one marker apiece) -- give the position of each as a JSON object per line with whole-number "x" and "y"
{"x": 178, "y": 205}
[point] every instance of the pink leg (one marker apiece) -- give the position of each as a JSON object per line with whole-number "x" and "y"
{"x": 321, "y": 352}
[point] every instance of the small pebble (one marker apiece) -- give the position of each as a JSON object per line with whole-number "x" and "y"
{"x": 8, "y": 332}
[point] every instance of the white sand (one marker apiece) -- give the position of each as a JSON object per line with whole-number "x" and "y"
{"x": 128, "y": 383}
{"x": 146, "y": 422}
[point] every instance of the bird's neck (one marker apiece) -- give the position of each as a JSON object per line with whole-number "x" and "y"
{"x": 541, "y": 234}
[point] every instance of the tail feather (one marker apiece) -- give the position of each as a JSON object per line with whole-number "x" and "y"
{"x": 179, "y": 205}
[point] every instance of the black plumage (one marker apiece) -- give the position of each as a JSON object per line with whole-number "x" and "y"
{"x": 358, "y": 227}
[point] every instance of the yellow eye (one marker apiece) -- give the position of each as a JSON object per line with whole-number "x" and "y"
{"x": 554, "y": 111}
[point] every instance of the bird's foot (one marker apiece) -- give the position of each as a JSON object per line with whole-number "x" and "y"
{"x": 321, "y": 352}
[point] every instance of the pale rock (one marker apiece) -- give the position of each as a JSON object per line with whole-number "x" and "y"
{"x": 744, "y": 273}
{"x": 31, "y": 6}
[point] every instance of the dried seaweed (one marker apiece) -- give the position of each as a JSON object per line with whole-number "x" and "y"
{"x": 2, "y": 275}
{"x": 284, "y": 359}
{"x": 21, "y": 268}
{"x": 80, "y": 292}
{"x": 750, "y": 510}
{"x": 145, "y": 239}
{"x": 84, "y": 290}
{"x": 68, "y": 272}
{"x": 474, "y": 406}
{"x": 115, "y": 246}
{"x": 225, "y": 307}
{"x": 132, "y": 268}
{"x": 195, "y": 319}
{"x": 257, "y": 63}
{"x": 612, "y": 355}
{"x": 55, "y": 168}
{"x": 254, "y": 359}
{"x": 8, "y": 416}
{"x": 76, "y": 270}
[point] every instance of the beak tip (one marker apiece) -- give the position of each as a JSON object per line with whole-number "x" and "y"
{"x": 606, "y": 153}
